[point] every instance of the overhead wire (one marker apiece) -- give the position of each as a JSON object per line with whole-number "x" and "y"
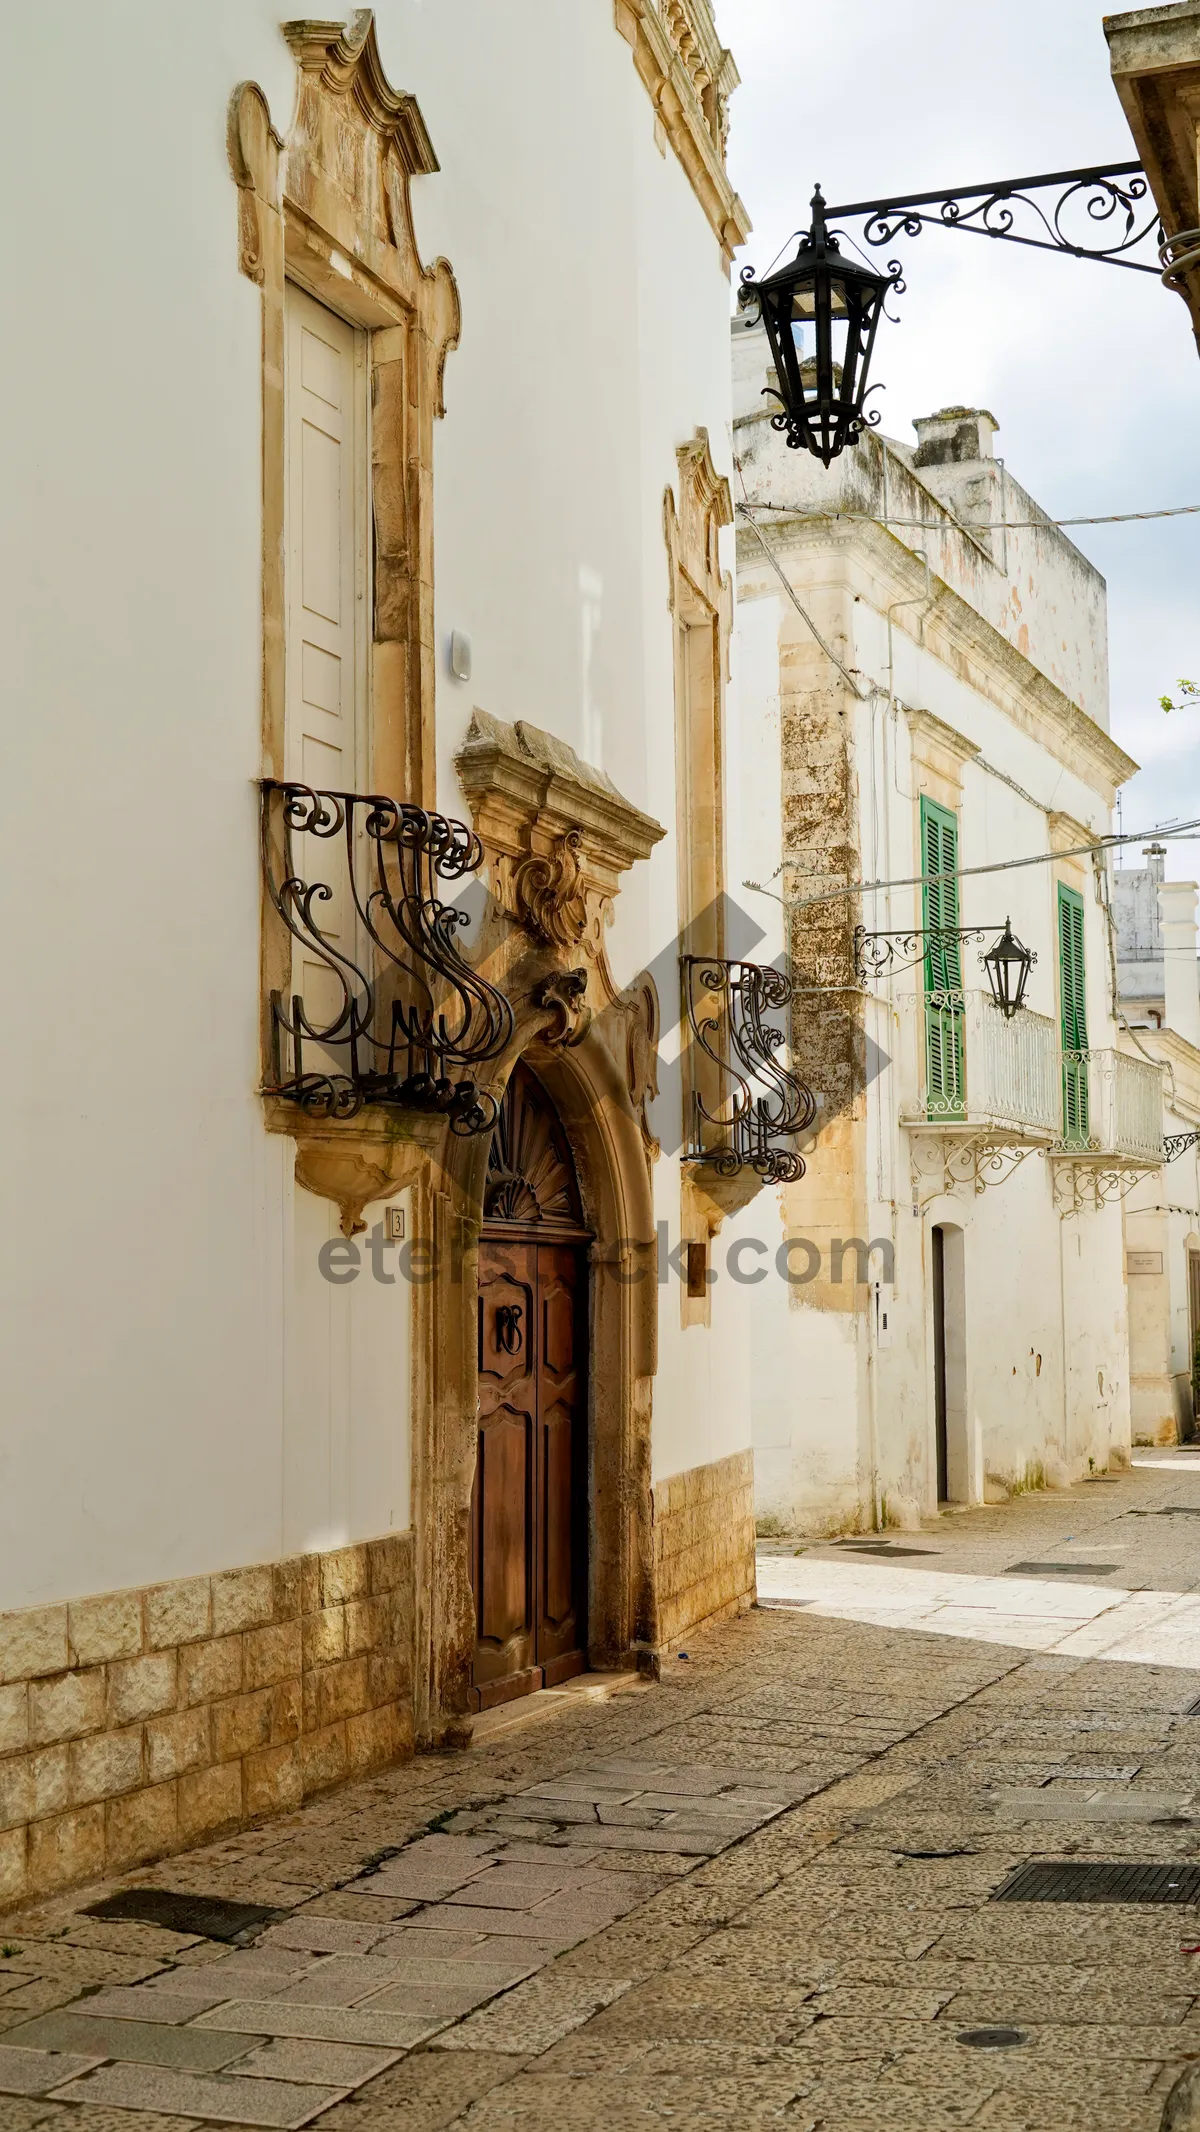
{"x": 965, "y": 525}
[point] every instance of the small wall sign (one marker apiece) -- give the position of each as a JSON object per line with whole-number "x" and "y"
{"x": 1143, "y": 1262}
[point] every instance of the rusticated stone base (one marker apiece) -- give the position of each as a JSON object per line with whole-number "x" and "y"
{"x": 704, "y": 1543}
{"x": 139, "y": 1722}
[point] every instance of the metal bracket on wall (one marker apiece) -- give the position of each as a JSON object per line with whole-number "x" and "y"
{"x": 1083, "y": 1183}
{"x": 943, "y": 1161}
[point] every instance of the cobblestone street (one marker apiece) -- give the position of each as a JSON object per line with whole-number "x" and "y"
{"x": 757, "y": 1893}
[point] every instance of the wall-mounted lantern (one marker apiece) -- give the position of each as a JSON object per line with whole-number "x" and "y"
{"x": 821, "y": 372}
{"x": 1008, "y": 964}
{"x": 821, "y": 312}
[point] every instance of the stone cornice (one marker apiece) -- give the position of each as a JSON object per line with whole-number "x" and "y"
{"x": 961, "y": 637}
{"x": 690, "y": 77}
{"x": 528, "y": 790}
{"x": 347, "y": 61}
{"x": 925, "y": 726}
{"x": 1067, "y": 834}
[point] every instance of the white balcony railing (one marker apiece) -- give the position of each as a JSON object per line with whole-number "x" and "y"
{"x": 1114, "y": 1106}
{"x": 996, "y": 1076}
{"x": 1013, "y": 1076}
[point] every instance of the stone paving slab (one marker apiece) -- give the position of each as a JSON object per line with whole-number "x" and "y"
{"x": 325, "y": 2064}
{"x": 283, "y": 2105}
{"x": 189, "y": 2049}
{"x": 323, "y": 1935}
{"x": 130, "y": 2005}
{"x": 35, "y": 2072}
{"x": 533, "y": 2017}
{"x": 388, "y": 2027}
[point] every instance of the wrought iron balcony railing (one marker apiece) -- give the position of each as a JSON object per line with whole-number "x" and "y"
{"x": 1112, "y": 1107}
{"x": 744, "y": 1106}
{"x": 381, "y": 1008}
{"x": 989, "y": 1072}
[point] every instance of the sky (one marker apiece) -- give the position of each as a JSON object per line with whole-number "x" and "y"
{"x": 1091, "y": 372}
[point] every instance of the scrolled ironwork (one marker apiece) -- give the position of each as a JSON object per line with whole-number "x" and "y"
{"x": 1094, "y": 216}
{"x": 877, "y": 954}
{"x": 756, "y": 1105}
{"x": 1176, "y": 1144}
{"x": 410, "y": 1016}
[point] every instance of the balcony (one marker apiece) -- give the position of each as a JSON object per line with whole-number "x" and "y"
{"x": 1112, "y": 1107}
{"x": 373, "y": 1003}
{"x": 742, "y": 1106}
{"x": 993, "y": 1093}
{"x": 997, "y": 1076}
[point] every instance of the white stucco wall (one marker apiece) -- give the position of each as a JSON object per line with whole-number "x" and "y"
{"x": 180, "y": 1396}
{"x": 838, "y": 1419}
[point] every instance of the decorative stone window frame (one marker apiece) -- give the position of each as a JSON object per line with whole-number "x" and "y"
{"x": 700, "y": 598}
{"x": 329, "y": 208}
{"x": 690, "y": 77}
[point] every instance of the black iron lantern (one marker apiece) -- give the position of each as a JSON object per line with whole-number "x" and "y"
{"x": 821, "y": 313}
{"x": 1008, "y": 964}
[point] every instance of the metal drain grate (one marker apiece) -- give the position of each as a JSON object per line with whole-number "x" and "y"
{"x": 1073, "y": 1881}
{"x": 1060, "y": 1569}
{"x": 883, "y": 1547}
{"x": 210, "y": 1917}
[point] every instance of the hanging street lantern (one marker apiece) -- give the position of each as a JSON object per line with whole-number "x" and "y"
{"x": 821, "y": 313}
{"x": 1008, "y": 964}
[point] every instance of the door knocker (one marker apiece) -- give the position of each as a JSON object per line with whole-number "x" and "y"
{"x": 508, "y": 1328}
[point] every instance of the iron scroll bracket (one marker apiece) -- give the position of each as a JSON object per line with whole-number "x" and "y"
{"x": 745, "y": 1107}
{"x": 383, "y": 1008}
{"x": 1098, "y": 214}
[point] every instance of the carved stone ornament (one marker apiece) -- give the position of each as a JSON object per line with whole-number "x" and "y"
{"x": 639, "y": 1003}
{"x": 557, "y": 832}
{"x": 549, "y": 892}
{"x": 697, "y": 586}
{"x": 564, "y": 991}
{"x": 690, "y": 77}
{"x": 356, "y": 1168}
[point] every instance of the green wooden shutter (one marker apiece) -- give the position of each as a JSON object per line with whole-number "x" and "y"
{"x": 945, "y": 1080}
{"x": 1074, "y": 1015}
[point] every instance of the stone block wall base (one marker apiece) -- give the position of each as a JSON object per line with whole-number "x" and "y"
{"x": 704, "y": 1544}
{"x": 140, "y": 1722}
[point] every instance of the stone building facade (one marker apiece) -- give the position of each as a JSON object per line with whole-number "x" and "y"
{"x": 946, "y": 1319}
{"x": 341, "y": 1411}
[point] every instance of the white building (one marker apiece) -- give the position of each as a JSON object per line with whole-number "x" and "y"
{"x": 1160, "y": 1003}
{"x": 374, "y": 439}
{"x": 922, "y": 688}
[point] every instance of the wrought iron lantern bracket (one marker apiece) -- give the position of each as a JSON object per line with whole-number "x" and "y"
{"x": 744, "y": 1106}
{"x": 881, "y": 954}
{"x": 1096, "y": 212}
{"x": 1109, "y": 224}
{"x": 399, "y": 1018}
{"x": 1176, "y": 1144}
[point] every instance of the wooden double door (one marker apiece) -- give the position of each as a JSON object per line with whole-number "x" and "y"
{"x": 529, "y": 1506}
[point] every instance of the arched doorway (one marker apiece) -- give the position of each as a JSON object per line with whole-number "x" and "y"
{"x": 529, "y": 1504}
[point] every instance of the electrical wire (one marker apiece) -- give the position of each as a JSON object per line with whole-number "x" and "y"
{"x": 961, "y": 873}
{"x": 966, "y": 525}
